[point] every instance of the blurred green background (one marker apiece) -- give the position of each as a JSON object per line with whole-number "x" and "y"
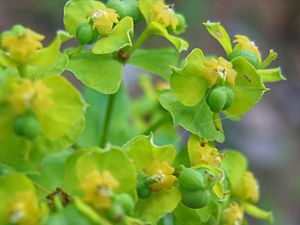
{"x": 270, "y": 133}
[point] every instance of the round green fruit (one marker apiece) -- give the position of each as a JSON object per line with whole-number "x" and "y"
{"x": 249, "y": 56}
{"x": 182, "y": 23}
{"x": 143, "y": 190}
{"x": 195, "y": 199}
{"x": 216, "y": 99}
{"x": 210, "y": 177}
{"x": 191, "y": 179}
{"x": 86, "y": 34}
{"x": 27, "y": 126}
{"x": 115, "y": 213}
{"x": 126, "y": 8}
{"x": 229, "y": 99}
{"x": 127, "y": 203}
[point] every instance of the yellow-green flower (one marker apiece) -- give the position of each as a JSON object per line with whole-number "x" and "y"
{"x": 162, "y": 173}
{"x": 98, "y": 189}
{"x": 164, "y": 15}
{"x": 233, "y": 215}
{"x": 23, "y": 209}
{"x": 104, "y": 20}
{"x": 30, "y": 95}
{"x": 219, "y": 68}
{"x": 247, "y": 188}
{"x": 244, "y": 43}
{"x": 21, "y": 45}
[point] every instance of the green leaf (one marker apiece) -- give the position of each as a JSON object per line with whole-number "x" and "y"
{"x": 271, "y": 75}
{"x": 198, "y": 119}
{"x": 157, "y": 61}
{"x": 235, "y": 165}
{"x": 157, "y": 205}
{"x": 77, "y": 12}
{"x": 100, "y": 72}
{"x": 145, "y": 8}
{"x": 156, "y": 29}
{"x": 113, "y": 160}
{"x": 189, "y": 83}
{"x": 182, "y": 158}
{"x": 143, "y": 151}
{"x": 258, "y": 213}
{"x": 52, "y": 171}
{"x": 119, "y": 38}
{"x": 248, "y": 88}
{"x": 45, "y": 57}
{"x": 219, "y": 33}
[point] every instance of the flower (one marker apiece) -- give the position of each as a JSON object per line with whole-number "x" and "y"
{"x": 250, "y": 187}
{"x": 219, "y": 68}
{"x": 207, "y": 155}
{"x": 30, "y": 95}
{"x": 162, "y": 173}
{"x": 21, "y": 42}
{"x": 98, "y": 188}
{"x": 23, "y": 209}
{"x": 164, "y": 15}
{"x": 104, "y": 20}
{"x": 244, "y": 43}
{"x": 233, "y": 215}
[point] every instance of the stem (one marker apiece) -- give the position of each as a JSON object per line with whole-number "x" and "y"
{"x": 140, "y": 41}
{"x": 108, "y": 115}
{"x": 157, "y": 125}
{"x": 22, "y": 70}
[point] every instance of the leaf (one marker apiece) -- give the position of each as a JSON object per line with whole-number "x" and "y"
{"x": 235, "y": 165}
{"x": 145, "y": 7}
{"x": 143, "y": 151}
{"x": 182, "y": 158}
{"x": 189, "y": 83}
{"x": 100, "y": 72}
{"x": 45, "y": 57}
{"x": 198, "y": 119}
{"x": 248, "y": 88}
{"x": 157, "y": 61}
{"x": 77, "y": 12}
{"x": 258, "y": 213}
{"x": 52, "y": 171}
{"x": 219, "y": 33}
{"x": 271, "y": 75}
{"x": 156, "y": 29}
{"x": 119, "y": 38}
{"x": 157, "y": 205}
{"x": 113, "y": 160}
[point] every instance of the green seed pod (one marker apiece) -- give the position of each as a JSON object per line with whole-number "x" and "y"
{"x": 210, "y": 177}
{"x": 191, "y": 179}
{"x": 143, "y": 190}
{"x": 116, "y": 213}
{"x": 127, "y": 203}
{"x": 229, "y": 99}
{"x": 27, "y": 126}
{"x": 86, "y": 34}
{"x": 249, "y": 56}
{"x": 216, "y": 99}
{"x": 181, "y": 27}
{"x": 195, "y": 199}
{"x": 126, "y": 8}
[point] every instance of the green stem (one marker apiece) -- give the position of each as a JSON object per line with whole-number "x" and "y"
{"x": 108, "y": 115}
{"x": 157, "y": 125}
{"x": 140, "y": 41}
{"x": 22, "y": 70}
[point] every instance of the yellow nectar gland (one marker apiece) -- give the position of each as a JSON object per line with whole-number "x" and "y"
{"x": 207, "y": 155}
{"x": 164, "y": 15}
{"x": 233, "y": 215}
{"x": 220, "y": 67}
{"x": 162, "y": 173}
{"x": 30, "y": 95}
{"x": 23, "y": 209}
{"x": 104, "y": 20}
{"x": 244, "y": 43}
{"x": 22, "y": 45}
{"x": 98, "y": 189}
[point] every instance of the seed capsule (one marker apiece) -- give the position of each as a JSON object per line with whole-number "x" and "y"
{"x": 27, "y": 126}
{"x": 127, "y": 203}
{"x": 249, "y": 56}
{"x": 195, "y": 199}
{"x": 191, "y": 179}
{"x": 86, "y": 34}
{"x": 216, "y": 99}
